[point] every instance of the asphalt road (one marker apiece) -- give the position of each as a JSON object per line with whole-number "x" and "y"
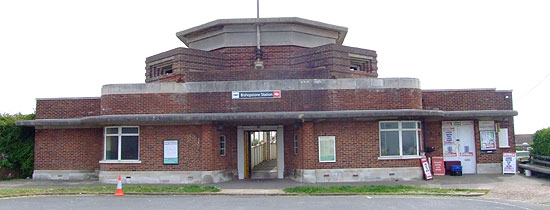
{"x": 259, "y": 202}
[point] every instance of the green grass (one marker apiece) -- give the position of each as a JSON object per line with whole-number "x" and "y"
{"x": 377, "y": 189}
{"x": 137, "y": 189}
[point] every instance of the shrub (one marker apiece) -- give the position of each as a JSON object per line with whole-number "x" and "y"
{"x": 541, "y": 142}
{"x": 17, "y": 144}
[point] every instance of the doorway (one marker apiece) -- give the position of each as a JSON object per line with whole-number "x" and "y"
{"x": 260, "y": 152}
{"x": 459, "y": 144}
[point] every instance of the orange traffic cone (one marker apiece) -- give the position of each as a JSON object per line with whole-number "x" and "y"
{"x": 119, "y": 187}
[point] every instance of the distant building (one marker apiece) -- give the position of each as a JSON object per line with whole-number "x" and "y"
{"x": 193, "y": 119}
{"x": 523, "y": 141}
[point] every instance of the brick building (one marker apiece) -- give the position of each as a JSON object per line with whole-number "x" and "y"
{"x": 320, "y": 106}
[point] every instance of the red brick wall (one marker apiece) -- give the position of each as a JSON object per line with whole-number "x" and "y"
{"x": 67, "y": 108}
{"x": 273, "y": 56}
{"x": 142, "y": 104}
{"x": 292, "y": 161}
{"x": 68, "y": 149}
{"x": 265, "y": 74}
{"x": 467, "y": 100}
{"x": 357, "y": 146}
{"x": 432, "y": 137}
{"x": 198, "y": 149}
{"x": 280, "y": 62}
{"x": 306, "y": 100}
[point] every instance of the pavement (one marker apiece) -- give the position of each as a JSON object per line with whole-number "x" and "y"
{"x": 259, "y": 202}
{"x": 502, "y": 187}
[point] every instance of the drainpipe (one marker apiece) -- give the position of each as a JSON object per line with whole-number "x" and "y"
{"x": 258, "y": 64}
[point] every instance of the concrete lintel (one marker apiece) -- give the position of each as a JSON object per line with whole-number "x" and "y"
{"x": 201, "y": 118}
{"x": 480, "y": 113}
{"x": 250, "y": 85}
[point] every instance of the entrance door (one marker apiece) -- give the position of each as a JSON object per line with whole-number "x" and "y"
{"x": 244, "y": 151}
{"x": 459, "y": 144}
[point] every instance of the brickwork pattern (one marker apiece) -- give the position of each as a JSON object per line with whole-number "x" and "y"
{"x": 68, "y": 149}
{"x": 280, "y": 62}
{"x": 357, "y": 146}
{"x": 67, "y": 108}
{"x": 198, "y": 149}
{"x": 221, "y": 102}
{"x": 467, "y": 100}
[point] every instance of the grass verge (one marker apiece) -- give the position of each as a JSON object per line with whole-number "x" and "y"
{"x": 381, "y": 190}
{"x": 132, "y": 189}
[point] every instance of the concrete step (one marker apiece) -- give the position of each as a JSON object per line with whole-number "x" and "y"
{"x": 264, "y": 175}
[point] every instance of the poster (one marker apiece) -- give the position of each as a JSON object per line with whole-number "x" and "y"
{"x": 509, "y": 163}
{"x": 438, "y": 166}
{"x": 426, "y": 168}
{"x": 170, "y": 151}
{"x": 488, "y": 141}
{"x": 449, "y": 147}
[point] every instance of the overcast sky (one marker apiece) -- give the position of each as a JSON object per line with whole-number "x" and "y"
{"x": 71, "y": 48}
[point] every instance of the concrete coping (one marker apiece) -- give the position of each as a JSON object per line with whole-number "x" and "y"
{"x": 198, "y": 118}
{"x": 465, "y": 89}
{"x": 67, "y": 98}
{"x": 251, "y": 85}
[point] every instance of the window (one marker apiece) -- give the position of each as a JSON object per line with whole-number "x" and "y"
{"x": 295, "y": 144}
{"x": 327, "y": 149}
{"x": 360, "y": 62}
{"x": 222, "y": 145}
{"x": 399, "y": 138}
{"x": 121, "y": 143}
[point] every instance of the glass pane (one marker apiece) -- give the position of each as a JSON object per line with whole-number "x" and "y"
{"x": 130, "y": 130}
{"x": 112, "y": 130}
{"x": 129, "y": 148}
{"x": 408, "y": 124}
{"x": 409, "y": 143}
{"x": 389, "y": 143}
{"x": 111, "y": 148}
{"x": 327, "y": 148}
{"x": 389, "y": 125}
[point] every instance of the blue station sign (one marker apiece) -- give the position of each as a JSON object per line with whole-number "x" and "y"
{"x": 256, "y": 94}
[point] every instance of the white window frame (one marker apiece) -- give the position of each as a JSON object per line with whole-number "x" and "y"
{"x": 334, "y": 149}
{"x": 400, "y": 129}
{"x": 295, "y": 144}
{"x": 119, "y": 134}
{"x": 222, "y": 149}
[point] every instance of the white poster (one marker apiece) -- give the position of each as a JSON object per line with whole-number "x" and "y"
{"x": 509, "y": 163}
{"x": 449, "y": 147}
{"x": 488, "y": 141}
{"x": 170, "y": 151}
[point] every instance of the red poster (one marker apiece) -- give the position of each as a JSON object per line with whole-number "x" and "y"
{"x": 438, "y": 166}
{"x": 426, "y": 168}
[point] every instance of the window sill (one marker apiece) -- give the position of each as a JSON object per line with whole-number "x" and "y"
{"x": 508, "y": 147}
{"x": 120, "y": 161}
{"x": 400, "y": 157}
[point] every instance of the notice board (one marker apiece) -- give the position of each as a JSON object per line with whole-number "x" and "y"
{"x": 171, "y": 152}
